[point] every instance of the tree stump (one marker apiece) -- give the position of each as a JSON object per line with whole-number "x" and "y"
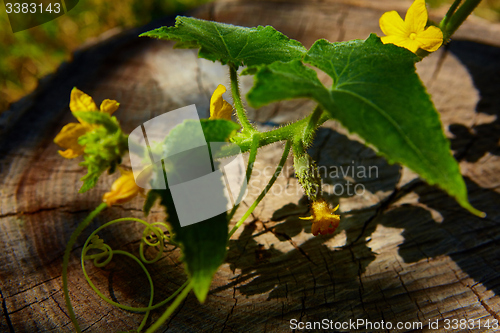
{"x": 405, "y": 252}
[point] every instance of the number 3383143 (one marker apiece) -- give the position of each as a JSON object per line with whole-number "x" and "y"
{"x": 32, "y": 8}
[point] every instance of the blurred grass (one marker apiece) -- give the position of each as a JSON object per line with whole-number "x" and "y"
{"x": 28, "y": 55}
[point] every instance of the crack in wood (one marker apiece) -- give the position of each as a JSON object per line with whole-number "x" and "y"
{"x": 232, "y": 309}
{"x": 6, "y": 313}
{"x": 102, "y": 317}
{"x": 479, "y": 298}
{"x": 411, "y": 298}
{"x": 39, "y": 210}
{"x": 290, "y": 240}
{"x": 32, "y": 287}
{"x": 35, "y": 302}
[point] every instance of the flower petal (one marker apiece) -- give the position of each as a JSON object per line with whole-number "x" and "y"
{"x": 109, "y": 106}
{"x": 69, "y": 153}
{"x": 315, "y": 229}
{"x": 219, "y": 108}
{"x": 407, "y": 43}
{"x": 68, "y": 139}
{"x": 392, "y": 24}
{"x": 80, "y": 101}
{"x": 416, "y": 16}
{"x": 324, "y": 222}
{"x": 430, "y": 39}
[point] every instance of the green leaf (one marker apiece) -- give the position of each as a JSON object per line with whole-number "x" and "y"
{"x": 377, "y": 94}
{"x": 203, "y": 244}
{"x": 89, "y": 182}
{"x": 99, "y": 118}
{"x": 231, "y": 44}
{"x": 280, "y": 81}
{"x": 218, "y": 130}
{"x": 151, "y": 198}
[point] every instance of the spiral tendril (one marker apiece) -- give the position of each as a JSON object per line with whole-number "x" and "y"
{"x": 101, "y": 254}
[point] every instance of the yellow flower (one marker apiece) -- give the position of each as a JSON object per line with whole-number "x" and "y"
{"x": 411, "y": 33}
{"x": 219, "y": 108}
{"x": 68, "y": 137}
{"x": 123, "y": 189}
{"x": 324, "y": 222}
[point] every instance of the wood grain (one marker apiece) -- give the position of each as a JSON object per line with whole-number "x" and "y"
{"x": 404, "y": 252}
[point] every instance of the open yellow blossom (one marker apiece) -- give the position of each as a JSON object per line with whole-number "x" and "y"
{"x": 324, "y": 221}
{"x": 219, "y": 108}
{"x": 411, "y": 33}
{"x": 68, "y": 137}
{"x": 123, "y": 189}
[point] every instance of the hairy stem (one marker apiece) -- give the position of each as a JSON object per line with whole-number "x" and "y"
{"x": 287, "y": 132}
{"x": 251, "y": 161}
{"x": 238, "y": 105}
{"x": 279, "y": 168}
{"x": 312, "y": 125}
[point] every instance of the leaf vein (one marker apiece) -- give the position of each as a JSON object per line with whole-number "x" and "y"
{"x": 397, "y": 127}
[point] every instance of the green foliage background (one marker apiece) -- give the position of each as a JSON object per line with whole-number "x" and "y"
{"x": 31, "y": 54}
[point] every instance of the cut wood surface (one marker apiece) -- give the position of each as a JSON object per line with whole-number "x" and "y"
{"x": 404, "y": 252}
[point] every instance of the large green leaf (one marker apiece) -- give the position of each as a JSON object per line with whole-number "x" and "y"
{"x": 231, "y": 44}
{"x": 377, "y": 94}
{"x": 203, "y": 244}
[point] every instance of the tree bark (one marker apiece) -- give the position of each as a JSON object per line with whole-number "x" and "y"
{"x": 404, "y": 252}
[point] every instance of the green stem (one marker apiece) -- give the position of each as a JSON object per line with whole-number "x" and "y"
{"x": 238, "y": 105}
{"x": 283, "y": 133}
{"x": 459, "y": 17}
{"x": 312, "y": 125}
{"x": 171, "y": 308}
{"x": 298, "y": 148}
{"x": 449, "y": 14}
{"x": 251, "y": 161}
{"x": 279, "y": 168}
{"x": 67, "y": 252}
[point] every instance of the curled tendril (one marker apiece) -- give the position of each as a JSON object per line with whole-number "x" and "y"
{"x": 98, "y": 244}
{"x": 152, "y": 236}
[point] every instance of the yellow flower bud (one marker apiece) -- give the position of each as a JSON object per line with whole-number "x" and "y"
{"x": 123, "y": 189}
{"x": 219, "y": 108}
{"x": 324, "y": 222}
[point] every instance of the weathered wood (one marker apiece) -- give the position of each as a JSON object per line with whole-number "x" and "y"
{"x": 404, "y": 252}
